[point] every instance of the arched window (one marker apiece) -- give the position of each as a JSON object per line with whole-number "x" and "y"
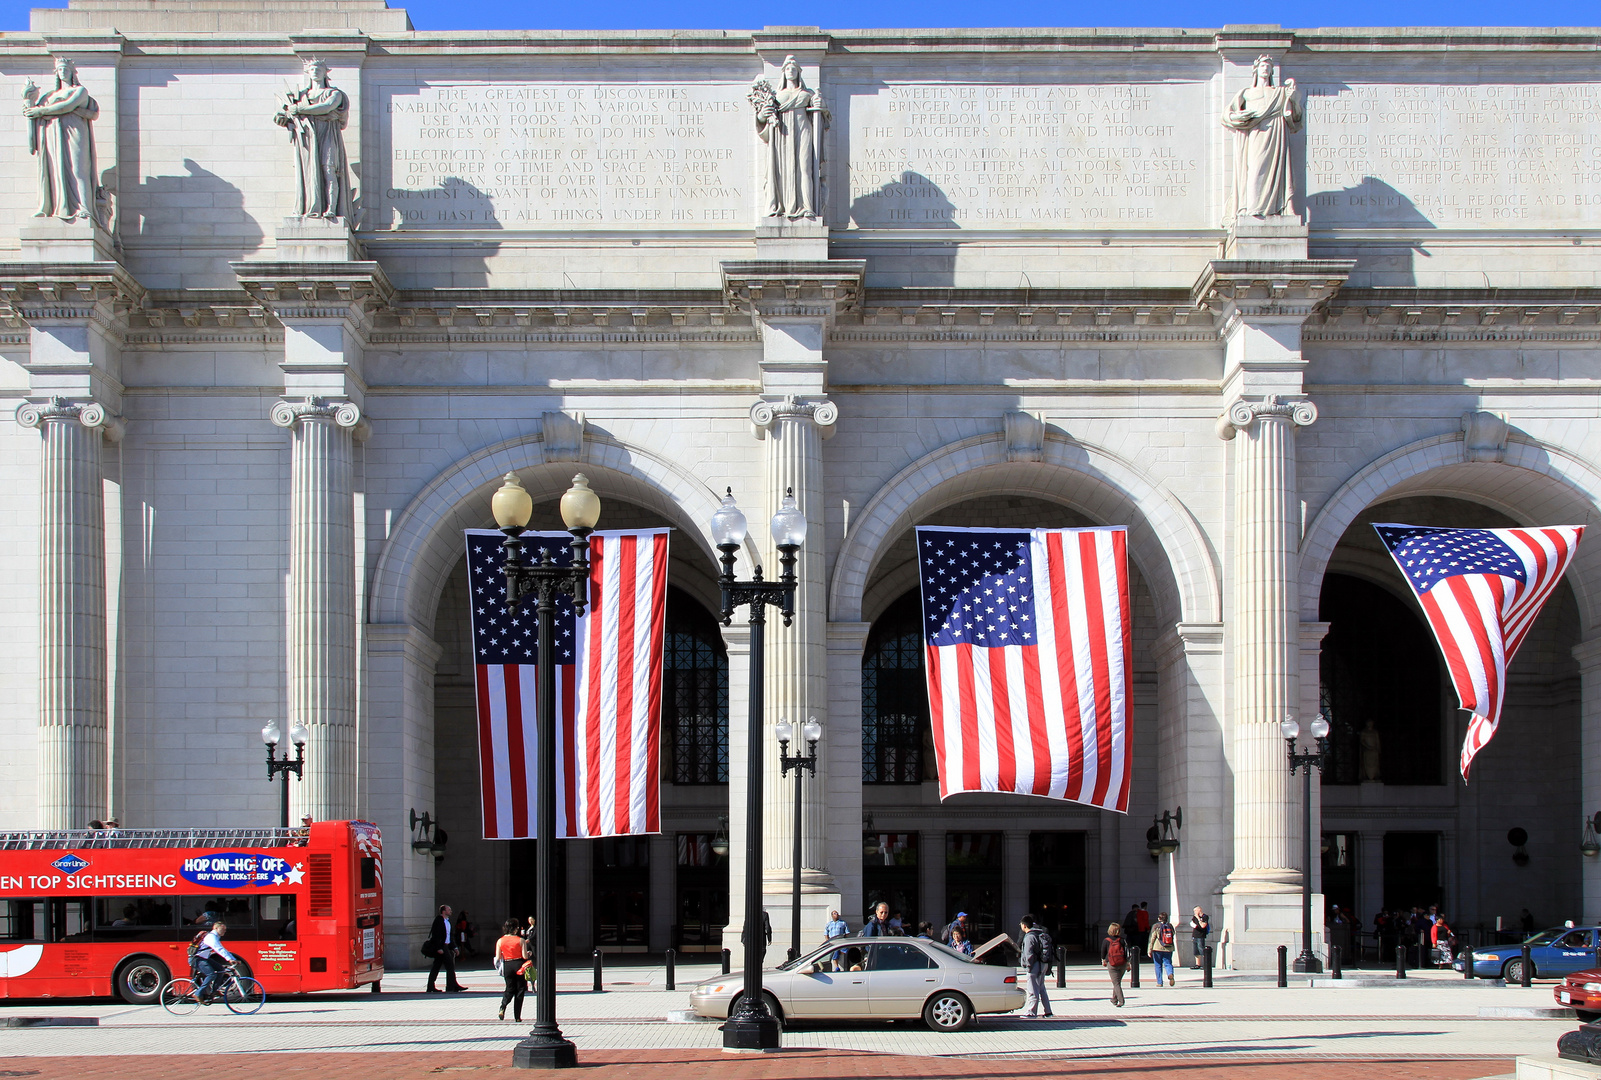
{"x": 694, "y": 693}
{"x": 895, "y": 724}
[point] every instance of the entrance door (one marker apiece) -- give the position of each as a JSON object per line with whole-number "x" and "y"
{"x": 1056, "y": 885}
{"x": 889, "y": 875}
{"x": 973, "y": 881}
{"x": 622, "y": 893}
{"x": 521, "y": 885}
{"x": 702, "y": 894}
{"x": 1411, "y": 870}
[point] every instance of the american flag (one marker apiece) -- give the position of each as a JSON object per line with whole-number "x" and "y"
{"x": 608, "y": 688}
{"x": 1027, "y": 638}
{"x": 1480, "y": 590}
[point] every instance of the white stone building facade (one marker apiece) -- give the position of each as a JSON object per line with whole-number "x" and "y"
{"x": 247, "y": 443}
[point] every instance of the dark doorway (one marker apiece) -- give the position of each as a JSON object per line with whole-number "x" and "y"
{"x": 1339, "y": 870}
{"x": 622, "y": 893}
{"x": 1056, "y": 885}
{"x": 1379, "y": 664}
{"x": 973, "y": 864}
{"x": 702, "y": 892}
{"x": 1412, "y": 870}
{"x": 889, "y": 875}
{"x": 524, "y": 879}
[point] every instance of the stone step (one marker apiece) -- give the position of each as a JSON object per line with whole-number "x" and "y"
{"x": 1526, "y": 1012}
{"x": 1554, "y": 1068}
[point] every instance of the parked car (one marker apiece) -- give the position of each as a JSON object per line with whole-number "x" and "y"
{"x": 1581, "y": 992}
{"x": 1559, "y": 951}
{"x": 885, "y": 979}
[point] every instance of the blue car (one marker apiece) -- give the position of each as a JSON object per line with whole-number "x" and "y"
{"x": 1559, "y": 951}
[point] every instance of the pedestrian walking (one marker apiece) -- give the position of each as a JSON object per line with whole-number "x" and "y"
{"x": 1142, "y": 918}
{"x": 1200, "y": 927}
{"x": 465, "y": 931}
{"x": 442, "y": 946}
{"x": 1114, "y": 958}
{"x": 764, "y": 940}
{"x": 1036, "y": 950}
{"x": 510, "y": 951}
{"x": 1160, "y": 946}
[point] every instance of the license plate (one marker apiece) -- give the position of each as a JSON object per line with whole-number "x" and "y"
{"x": 1566, "y": 997}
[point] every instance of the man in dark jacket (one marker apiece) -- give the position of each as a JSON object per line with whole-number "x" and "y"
{"x": 442, "y": 947}
{"x": 1036, "y": 960}
{"x": 764, "y": 940}
{"x": 878, "y": 925}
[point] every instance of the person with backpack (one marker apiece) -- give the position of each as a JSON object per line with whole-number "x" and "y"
{"x": 1037, "y": 950}
{"x": 1200, "y": 927}
{"x": 211, "y": 959}
{"x": 1160, "y": 947}
{"x": 1114, "y": 957}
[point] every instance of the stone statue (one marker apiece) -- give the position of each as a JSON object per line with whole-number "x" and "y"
{"x": 790, "y": 121}
{"x": 315, "y": 115}
{"x": 1369, "y": 742}
{"x": 1265, "y": 115}
{"x": 60, "y": 138}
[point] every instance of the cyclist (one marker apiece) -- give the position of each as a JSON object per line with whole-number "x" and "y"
{"x": 210, "y": 960}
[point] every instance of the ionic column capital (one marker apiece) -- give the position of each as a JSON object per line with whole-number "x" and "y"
{"x": 344, "y": 414}
{"x": 1244, "y": 412}
{"x": 91, "y": 414}
{"x": 824, "y": 414}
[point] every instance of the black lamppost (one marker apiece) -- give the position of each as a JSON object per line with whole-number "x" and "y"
{"x": 1307, "y": 962}
{"x": 806, "y": 763}
{"x": 275, "y": 765}
{"x": 546, "y": 582}
{"x": 751, "y": 1026}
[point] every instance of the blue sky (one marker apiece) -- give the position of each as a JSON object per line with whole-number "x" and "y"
{"x": 727, "y": 14}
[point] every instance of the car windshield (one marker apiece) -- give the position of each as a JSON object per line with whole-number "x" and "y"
{"x": 822, "y": 950}
{"x": 1546, "y": 937}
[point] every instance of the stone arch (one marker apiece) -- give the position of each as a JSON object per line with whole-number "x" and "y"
{"x": 1165, "y": 542}
{"x": 1536, "y": 484}
{"x": 425, "y": 543}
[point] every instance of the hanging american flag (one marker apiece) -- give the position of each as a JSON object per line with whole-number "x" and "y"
{"x": 1027, "y": 638}
{"x": 1481, "y": 590}
{"x": 608, "y": 688}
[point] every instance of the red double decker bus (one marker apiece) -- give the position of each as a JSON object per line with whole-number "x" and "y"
{"x": 92, "y": 913}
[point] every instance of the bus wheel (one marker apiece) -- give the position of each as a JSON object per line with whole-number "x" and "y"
{"x": 378, "y": 987}
{"x": 139, "y": 980}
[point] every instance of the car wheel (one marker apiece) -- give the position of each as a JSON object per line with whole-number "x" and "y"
{"x": 767, "y": 999}
{"x": 947, "y": 1011}
{"x": 139, "y": 980}
{"x": 1512, "y": 972}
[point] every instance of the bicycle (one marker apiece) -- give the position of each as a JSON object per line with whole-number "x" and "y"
{"x": 241, "y": 993}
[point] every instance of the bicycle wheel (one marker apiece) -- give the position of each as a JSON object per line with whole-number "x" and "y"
{"x": 244, "y": 995}
{"x": 178, "y": 997}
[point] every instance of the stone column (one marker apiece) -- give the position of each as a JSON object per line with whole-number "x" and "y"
{"x": 1588, "y": 654}
{"x": 322, "y": 600}
{"x": 72, "y": 611}
{"x": 842, "y": 813}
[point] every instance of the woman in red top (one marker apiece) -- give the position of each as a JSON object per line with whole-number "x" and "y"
{"x": 510, "y": 952}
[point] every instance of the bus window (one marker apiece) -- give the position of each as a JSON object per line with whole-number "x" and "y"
{"x": 369, "y": 873}
{"x": 22, "y": 920}
{"x": 277, "y": 918}
{"x": 133, "y": 918}
{"x": 205, "y": 910}
{"x": 72, "y": 920}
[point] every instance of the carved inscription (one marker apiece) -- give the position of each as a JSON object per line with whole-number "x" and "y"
{"x": 1027, "y": 156}
{"x": 1453, "y": 156}
{"x": 542, "y": 155}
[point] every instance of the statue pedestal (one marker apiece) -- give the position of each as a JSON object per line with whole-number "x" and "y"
{"x": 54, "y": 240}
{"x": 317, "y": 240}
{"x": 1258, "y": 239}
{"x": 791, "y": 241}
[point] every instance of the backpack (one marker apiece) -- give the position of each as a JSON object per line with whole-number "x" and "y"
{"x": 1116, "y": 954}
{"x": 1047, "y": 947}
{"x": 1165, "y": 934}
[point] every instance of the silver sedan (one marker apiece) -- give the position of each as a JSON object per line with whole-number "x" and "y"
{"x": 875, "y": 978}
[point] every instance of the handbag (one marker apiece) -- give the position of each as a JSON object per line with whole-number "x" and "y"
{"x": 430, "y": 949}
{"x": 500, "y": 964}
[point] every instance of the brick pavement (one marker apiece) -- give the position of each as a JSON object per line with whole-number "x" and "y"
{"x": 715, "y": 1065}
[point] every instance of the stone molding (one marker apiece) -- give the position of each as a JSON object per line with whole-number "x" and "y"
{"x": 90, "y": 414}
{"x": 1291, "y": 289}
{"x": 344, "y": 414}
{"x": 1188, "y": 639}
{"x": 563, "y": 435}
{"x": 771, "y": 288}
{"x": 766, "y": 413}
{"x": 1025, "y": 435}
{"x": 1243, "y": 413}
{"x": 1484, "y": 435}
{"x": 101, "y": 293}
{"x": 306, "y": 292}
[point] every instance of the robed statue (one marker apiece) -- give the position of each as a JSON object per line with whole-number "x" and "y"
{"x": 62, "y": 142}
{"x": 790, "y": 122}
{"x": 1371, "y": 745}
{"x": 314, "y": 114}
{"x": 1265, "y": 115}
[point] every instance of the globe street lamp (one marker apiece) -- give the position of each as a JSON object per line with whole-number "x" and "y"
{"x": 1307, "y": 962}
{"x": 275, "y": 765}
{"x": 806, "y": 763}
{"x": 751, "y": 1026}
{"x": 544, "y": 581}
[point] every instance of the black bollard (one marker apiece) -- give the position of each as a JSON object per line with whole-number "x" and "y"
{"x": 1206, "y": 967}
{"x": 672, "y": 982}
{"x": 1133, "y": 967}
{"x": 1334, "y": 962}
{"x": 726, "y": 958}
{"x": 1528, "y": 969}
{"x": 1424, "y": 959}
{"x": 1467, "y": 962}
{"x": 598, "y": 987}
{"x": 1061, "y": 967}
{"x": 1284, "y": 965}
{"x": 1400, "y": 958}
